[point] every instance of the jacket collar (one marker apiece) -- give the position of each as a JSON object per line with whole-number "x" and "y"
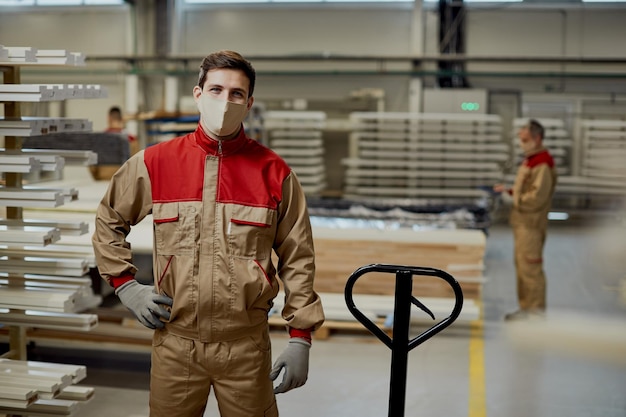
{"x": 211, "y": 146}
{"x": 535, "y": 152}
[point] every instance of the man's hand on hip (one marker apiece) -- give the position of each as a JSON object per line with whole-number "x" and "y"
{"x": 145, "y": 303}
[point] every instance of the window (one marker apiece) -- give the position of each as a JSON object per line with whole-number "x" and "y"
{"x": 298, "y": 1}
{"x": 60, "y": 2}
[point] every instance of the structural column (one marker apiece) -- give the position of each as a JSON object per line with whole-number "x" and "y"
{"x": 417, "y": 50}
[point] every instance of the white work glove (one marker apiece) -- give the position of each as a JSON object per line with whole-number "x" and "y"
{"x": 295, "y": 360}
{"x": 144, "y": 303}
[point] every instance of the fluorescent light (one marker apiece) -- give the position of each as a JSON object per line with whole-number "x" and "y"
{"x": 222, "y": 1}
{"x": 104, "y": 2}
{"x": 59, "y": 2}
{"x": 482, "y": 1}
{"x": 557, "y": 215}
{"x": 298, "y": 1}
{"x": 17, "y": 2}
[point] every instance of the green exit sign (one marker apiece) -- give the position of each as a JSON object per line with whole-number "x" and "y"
{"x": 469, "y": 106}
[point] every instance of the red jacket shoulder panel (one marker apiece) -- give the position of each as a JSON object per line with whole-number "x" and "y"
{"x": 252, "y": 176}
{"x": 542, "y": 157}
{"x": 176, "y": 169}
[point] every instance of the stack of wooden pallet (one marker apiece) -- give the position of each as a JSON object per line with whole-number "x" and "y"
{"x": 339, "y": 252}
{"x": 41, "y": 388}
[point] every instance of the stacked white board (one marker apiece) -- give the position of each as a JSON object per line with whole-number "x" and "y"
{"x": 604, "y": 150}
{"x": 297, "y": 137}
{"x": 43, "y": 282}
{"x": 419, "y": 155}
{"x": 31, "y": 388}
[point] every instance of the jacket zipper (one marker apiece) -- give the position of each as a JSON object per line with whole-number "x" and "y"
{"x": 219, "y": 147}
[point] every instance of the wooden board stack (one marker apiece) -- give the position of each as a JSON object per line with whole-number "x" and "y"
{"x": 340, "y": 252}
{"x": 42, "y": 389}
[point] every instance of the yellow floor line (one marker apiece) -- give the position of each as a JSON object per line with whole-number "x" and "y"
{"x": 477, "y": 406}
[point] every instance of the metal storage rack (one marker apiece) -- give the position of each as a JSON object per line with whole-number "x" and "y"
{"x": 604, "y": 150}
{"x": 297, "y": 137}
{"x": 43, "y": 284}
{"x": 444, "y": 157}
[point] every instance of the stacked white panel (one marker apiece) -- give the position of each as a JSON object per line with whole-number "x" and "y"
{"x": 18, "y": 55}
{"x": 42, "y": 284}
{"x": 604, "y": 150}
{"x": 411, "y": 155}
{"x": 31, "y": 388}
{"x": 297, "y": 137}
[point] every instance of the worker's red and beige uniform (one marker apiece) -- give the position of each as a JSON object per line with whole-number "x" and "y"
{"x": 532, "y": 199}
{"x": 218, "y": 210}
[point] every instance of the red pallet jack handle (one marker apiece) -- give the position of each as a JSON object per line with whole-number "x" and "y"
{"x": 400, "y": 344}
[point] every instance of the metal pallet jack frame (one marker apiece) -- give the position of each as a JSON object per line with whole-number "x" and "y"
{"x": 400, "y": 344}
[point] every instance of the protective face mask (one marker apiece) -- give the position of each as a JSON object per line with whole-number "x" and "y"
{"x": 528, "y": 146}
{"x": 220, "y": 117}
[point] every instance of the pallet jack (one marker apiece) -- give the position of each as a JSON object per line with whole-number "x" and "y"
{"x": 400, "y": 344}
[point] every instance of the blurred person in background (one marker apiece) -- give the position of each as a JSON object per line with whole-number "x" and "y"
{"x": 531, "y": 199}
{"x": 115, "y": 124}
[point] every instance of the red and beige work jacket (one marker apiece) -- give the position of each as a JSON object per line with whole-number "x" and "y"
{"x": 219, "y": 209}
{"x": 533, "y": 189}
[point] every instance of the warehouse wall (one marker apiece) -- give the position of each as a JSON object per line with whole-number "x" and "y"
{"x": 350, "y": 30}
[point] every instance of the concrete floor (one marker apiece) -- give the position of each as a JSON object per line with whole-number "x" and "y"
{"x": 465, "y": 371}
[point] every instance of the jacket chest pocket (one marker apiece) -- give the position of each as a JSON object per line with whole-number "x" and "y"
{"x": 174, "y": 228}
{"x": 250, "y": 232}
{"x": 527, "y": 181}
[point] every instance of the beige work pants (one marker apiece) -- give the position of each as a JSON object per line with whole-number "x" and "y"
{"x": 184, "y": 370}
{"x": 531, "y": 280}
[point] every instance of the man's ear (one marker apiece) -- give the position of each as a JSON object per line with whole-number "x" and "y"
{"x": 250, "y": 101}
{"x": 197, "y": 92}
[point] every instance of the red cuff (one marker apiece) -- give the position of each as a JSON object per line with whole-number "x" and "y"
{"x": 510, "y": 191}
{"x": 303, "y": 334}
{"x": 117, "y": 282}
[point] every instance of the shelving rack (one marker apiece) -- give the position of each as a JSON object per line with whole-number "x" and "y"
{"x": 42, "y": 284}
{"x": 604, "y": 149}
{"x": 444, "y": 157}
{"x": 297, "y": 137}
{"x": 161, "y": 129}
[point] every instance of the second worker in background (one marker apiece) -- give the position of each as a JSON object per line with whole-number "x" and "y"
{"x": 221, "y": 202}
{"x": 531, "y": 198}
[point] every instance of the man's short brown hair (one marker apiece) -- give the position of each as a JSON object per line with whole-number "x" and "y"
{"x": 227, "y": 60}
{"x": 535, "y": 128}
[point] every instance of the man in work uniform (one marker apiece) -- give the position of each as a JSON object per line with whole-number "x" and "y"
{"x": 531, "y": 198}
{"x": 115, "y": 124}
{"x": 220, "y": 203}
